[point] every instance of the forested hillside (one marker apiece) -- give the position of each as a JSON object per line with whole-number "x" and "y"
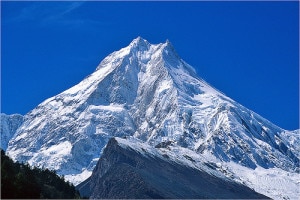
{"x": 21, "y": 181}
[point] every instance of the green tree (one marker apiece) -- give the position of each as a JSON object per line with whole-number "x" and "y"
{"x": 22, "y": 181}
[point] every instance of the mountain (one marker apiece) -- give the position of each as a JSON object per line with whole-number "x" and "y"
{"x": 8, "y": 126}
{"x": 146, "y": 91}
{"x": 131, "y": 169}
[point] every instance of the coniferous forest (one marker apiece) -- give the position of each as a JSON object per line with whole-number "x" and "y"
{"x": 22, "y": 181}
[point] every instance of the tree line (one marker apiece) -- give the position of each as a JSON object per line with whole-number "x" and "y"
{"x": 19, "y": 180}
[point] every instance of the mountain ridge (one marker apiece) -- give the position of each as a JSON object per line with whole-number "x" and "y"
{"x": 148, "y": 92}
{"x": 153, "y": 174}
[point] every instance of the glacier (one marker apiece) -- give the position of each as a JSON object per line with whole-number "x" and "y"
{"x": 146, "y": 91}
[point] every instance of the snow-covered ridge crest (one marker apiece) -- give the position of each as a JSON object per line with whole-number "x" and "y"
{"x": 148, "y": 92}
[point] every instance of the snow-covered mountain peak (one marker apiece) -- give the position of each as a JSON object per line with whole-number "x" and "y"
{"x": 168, "y": 46}
{"x": 140, "y": 52}
{"x": 148, "y": 92}
{"x": 140, "y": 43}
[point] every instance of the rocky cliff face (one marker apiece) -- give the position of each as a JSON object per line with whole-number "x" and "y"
{"x": 125, "y": 172}
{"x": 148, "y": 92}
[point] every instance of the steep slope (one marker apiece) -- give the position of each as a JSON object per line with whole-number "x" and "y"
{"x": 147, "y": 91}
{"x": 8, "y": 126}
{"x": 131, "y": 169}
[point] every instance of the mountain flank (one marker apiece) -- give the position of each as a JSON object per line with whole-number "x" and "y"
{"x": 124, "y": 173}
{"x": 146, "y": 92}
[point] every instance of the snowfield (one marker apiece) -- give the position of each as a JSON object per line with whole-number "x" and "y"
{"x": 147, "y": 92}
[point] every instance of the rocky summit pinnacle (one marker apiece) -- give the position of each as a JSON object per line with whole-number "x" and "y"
{"x": 146, "y": 91}
{"x": 139, "y": 42}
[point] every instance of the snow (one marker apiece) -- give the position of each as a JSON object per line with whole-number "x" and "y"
{"x": 8, "y": 126}
{"x": 19, "y": 137}
{"x": 63, "y": 148}
{"x": 77, "y": 178}
{"x": 274, "y": 182}
{"x": 148, "y": 93}
{"x": 53, "y": 156}
{"x": 111, "y": 107}
{"x": 182, "y": 156}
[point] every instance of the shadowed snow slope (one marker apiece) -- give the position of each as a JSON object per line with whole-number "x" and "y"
{"x": 148, "y": 92}
{"x": 8, "y": 126}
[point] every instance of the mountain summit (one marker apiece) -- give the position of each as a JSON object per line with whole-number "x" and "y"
{"x": 146, "y": 91}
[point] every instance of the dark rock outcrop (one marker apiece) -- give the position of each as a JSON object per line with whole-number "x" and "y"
{"x": 123, "y": 172}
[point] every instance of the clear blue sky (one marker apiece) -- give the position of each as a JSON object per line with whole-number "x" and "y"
{"x": 248, "y": 50}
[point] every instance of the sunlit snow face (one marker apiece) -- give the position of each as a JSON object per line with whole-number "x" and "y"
{"x": 147, "y": 92}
